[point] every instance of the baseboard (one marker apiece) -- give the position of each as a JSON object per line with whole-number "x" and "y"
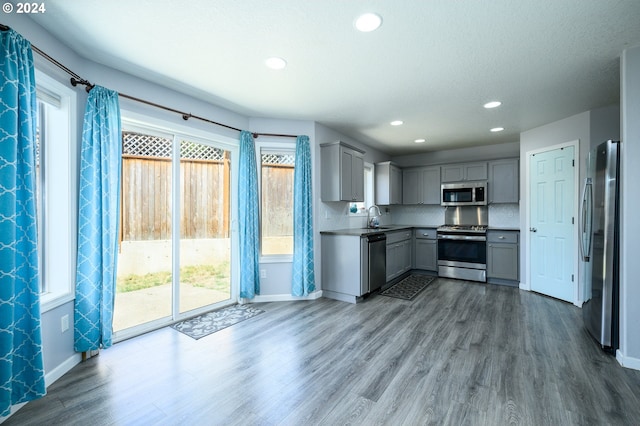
{"x": 62, "y": 369}
{"x": 524, "y": 286}
{"x": 627, "y": 361}
{"x": 284, "y": 297}
{"x": 49, "y": 379}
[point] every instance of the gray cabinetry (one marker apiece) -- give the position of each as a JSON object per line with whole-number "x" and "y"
{"x": 463, "y": 172}
{"x": 398, "y": 253}
{"x": 344, "y": 274}
{"x": 425, "y": 252}
{"x": 421, "y": 185}
{"x": 388, "y": 184}
{"x": 342, "y": 176}
{"x": 503, "y": 181}
{"x": 502, "y": 256}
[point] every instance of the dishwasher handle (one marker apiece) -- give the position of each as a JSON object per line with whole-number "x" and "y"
{"x": 376, "y": 237}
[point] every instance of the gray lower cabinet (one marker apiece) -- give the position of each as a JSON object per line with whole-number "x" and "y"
{"x": 425, "y": 249}
{"x": 503, "y": 256}
{"x": 398, "y": 253}
{"x": 344, "y": 274}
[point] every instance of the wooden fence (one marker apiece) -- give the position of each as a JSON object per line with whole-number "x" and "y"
{"x": 204, "y": 199}
{"x": 277, "y": 200}
{"x": 147, "y": 198}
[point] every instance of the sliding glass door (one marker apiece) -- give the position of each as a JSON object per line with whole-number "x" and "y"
{"x": 175, "y": 241}
{"x": 205, "y": 249}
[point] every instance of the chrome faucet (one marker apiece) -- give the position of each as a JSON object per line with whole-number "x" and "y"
{"x": 370, "y": 219}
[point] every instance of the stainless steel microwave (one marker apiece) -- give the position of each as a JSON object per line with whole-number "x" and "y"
{"x": 464, "y": 194}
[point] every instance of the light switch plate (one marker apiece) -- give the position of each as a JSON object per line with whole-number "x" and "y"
{"x": 64, "y": 323}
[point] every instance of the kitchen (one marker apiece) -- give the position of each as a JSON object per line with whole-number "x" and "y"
{"x": 585, "y": 127}
{"x": 461, "y": 250}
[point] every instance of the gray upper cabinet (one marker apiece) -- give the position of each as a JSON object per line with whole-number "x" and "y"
{"x": 342, "y": 176}
{"x": 464, "y": 172}
{"x": 388, "y": 184}
{"x": 421, "y": 185}
{"x": 503, "y": 181}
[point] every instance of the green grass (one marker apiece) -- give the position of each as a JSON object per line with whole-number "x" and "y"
{"x": 213, "y": 277}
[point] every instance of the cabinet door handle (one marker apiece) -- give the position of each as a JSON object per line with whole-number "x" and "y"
{"x": 501, "y": 237}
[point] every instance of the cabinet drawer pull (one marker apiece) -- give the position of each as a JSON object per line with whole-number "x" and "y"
{"x": 501, "y": 237}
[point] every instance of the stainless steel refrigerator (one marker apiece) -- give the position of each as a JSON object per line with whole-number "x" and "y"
{"x": 599, "y": 238}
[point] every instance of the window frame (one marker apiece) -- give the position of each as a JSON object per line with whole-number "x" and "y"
{"x": 369, "y": 192}
{"x": 284, "y": 147}
{"x": 57, "y": 222}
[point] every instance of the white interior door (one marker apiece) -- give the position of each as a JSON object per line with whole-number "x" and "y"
{"x": 552, "y": 180}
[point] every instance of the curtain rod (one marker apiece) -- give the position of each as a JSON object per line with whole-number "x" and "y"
{"x": 76, "y": 79}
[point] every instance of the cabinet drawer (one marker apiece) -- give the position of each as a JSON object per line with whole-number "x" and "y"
{"x": 397, "y": 236}
{"x": 502, "y": 237}
{"x": 426, "y": 233}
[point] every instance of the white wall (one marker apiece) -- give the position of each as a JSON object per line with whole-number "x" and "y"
{"x": 629, "y": 352}
{"x": 560, "y": 132}
{"x": 460, "y": 155}
{"x": 276, "y": 281}
{"x": 334, "y": 215}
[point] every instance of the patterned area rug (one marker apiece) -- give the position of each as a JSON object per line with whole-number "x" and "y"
{"x": 211, "y": 322}
{"x": 409, "y": 287}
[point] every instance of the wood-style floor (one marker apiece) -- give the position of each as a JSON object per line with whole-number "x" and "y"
{"x": 460, "y": 353}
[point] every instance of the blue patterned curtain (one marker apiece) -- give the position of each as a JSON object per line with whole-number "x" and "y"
{"x": 21, "y": 364}
{"x": 248, "y": 218}
{"x": 303, "y": 280}
{"x": 98, "y": 217}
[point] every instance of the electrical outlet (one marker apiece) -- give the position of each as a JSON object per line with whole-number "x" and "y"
{"x": 64, "y": 323}
{"x": 263, "y": 273}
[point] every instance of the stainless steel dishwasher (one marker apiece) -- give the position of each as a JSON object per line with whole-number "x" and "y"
{"x": 376, "y": 260}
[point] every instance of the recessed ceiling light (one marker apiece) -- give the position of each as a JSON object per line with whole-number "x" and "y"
{"x": 492, "y": 104}
{"x": 420, "y": 140}
{"x": 275, "y": 63}
{"x": 397, "y": 123}
{"x": 497, "y": 129}
{"x": 368, "y": 22}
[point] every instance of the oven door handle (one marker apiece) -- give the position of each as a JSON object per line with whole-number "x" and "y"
{"x": 462, "y": 237}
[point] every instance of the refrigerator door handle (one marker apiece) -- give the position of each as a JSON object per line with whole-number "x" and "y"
{"x": 586, "y": 220}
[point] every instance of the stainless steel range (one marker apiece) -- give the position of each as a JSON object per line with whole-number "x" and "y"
{"x": 462, "y": 244}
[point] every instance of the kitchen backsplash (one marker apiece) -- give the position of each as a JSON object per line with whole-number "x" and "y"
{"x": 418, "y": 215}
{"x": 336, "y": 216}
{"x": 504, "y": 215}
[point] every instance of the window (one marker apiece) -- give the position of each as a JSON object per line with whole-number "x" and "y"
{"x": 358, "y": 209}
{"x": 55, "y": 190}
{"x": 276, "y": 201}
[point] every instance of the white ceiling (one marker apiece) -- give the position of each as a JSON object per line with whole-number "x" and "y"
{"x": 432, "y": 63}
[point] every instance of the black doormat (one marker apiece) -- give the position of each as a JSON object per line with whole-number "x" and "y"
{"x": 211, "y": 322}
{"x": 409, "y": 287}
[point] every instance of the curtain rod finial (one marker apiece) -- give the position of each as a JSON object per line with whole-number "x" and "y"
{"x": 185, "y": 117}
{"x": 255, "y": 135}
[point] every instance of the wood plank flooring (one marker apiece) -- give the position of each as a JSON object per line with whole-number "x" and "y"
{"x": 460, "y": 353}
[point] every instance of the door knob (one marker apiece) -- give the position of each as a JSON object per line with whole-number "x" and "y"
{"x": 533, "y": 230}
